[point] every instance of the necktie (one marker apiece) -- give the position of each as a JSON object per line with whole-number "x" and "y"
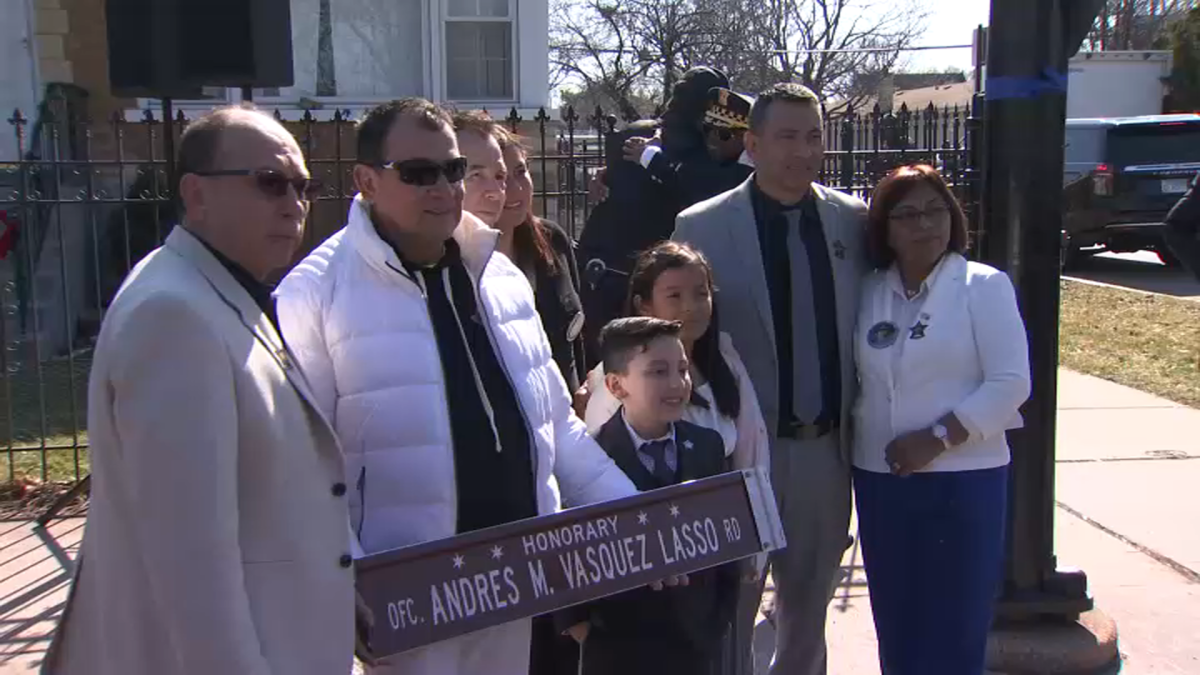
{"x": 657, "y": 451}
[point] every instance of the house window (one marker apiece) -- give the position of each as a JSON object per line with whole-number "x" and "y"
{"x": 479, "y": 50}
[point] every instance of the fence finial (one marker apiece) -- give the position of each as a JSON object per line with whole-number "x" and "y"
{"x": 513, "y": 119}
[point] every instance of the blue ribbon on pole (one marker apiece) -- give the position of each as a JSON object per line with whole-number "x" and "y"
{"x": 1049, "y": 81}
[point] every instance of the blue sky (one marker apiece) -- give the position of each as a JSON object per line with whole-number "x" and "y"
{"x": 951, "y": 22}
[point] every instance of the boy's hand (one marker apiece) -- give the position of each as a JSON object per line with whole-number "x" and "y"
{"x": 582, "y": 396}
{"x": 671, "y": 582}
{"x": 579, "y": 631}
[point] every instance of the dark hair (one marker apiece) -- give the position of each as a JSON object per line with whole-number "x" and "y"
{"x": 622, "y": 339}
{"x": 706, "y": 352}
{"x": 475, "y": 120}
{"x": 200, "y": 142}
{"x": 891, "y": 191}
{"x": 531, "y": 240}
{"x": 785, "y": 92}
{"x": 374, "y": 127}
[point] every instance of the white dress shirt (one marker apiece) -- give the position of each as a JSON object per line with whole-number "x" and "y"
{"x": 958, "y": 346}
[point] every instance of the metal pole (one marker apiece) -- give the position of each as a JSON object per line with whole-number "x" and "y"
{"x": 1026, "y": 110}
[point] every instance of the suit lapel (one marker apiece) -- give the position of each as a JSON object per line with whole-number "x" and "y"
{"x": 744, "y": 236}
{"x": 842, "y": 265}
{"x": 615, "y": 440}
{"x": 251, "y": 315}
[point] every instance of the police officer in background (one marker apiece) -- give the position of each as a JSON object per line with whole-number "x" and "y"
{"x": 659, "y": 169}
{"x": 725, "y": 165}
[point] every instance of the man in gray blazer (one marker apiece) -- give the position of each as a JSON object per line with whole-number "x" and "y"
{"x": 787, "y": 257}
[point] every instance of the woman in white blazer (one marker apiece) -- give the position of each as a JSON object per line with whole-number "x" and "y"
{"x": 943, "y": 366}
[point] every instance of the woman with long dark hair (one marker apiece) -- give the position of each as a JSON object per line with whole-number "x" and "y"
{"x": 547, "y": 256}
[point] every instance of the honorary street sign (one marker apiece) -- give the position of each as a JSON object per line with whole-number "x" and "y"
{"x": 442, "y": 589}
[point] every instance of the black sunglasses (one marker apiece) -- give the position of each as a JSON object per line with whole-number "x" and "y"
{"x": 425, "y": 172}
{"x": 274, "y": 183}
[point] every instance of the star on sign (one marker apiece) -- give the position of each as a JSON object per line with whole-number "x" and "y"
{"x": 497, "y": 552}
{"x": 674, "y": 511}
{"x": 458, "y": 562}
{"x": 643, "y": 519}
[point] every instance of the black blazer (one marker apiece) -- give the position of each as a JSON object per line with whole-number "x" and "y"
{"x": 556, "y": 293}
{"x": 695, "y": 615}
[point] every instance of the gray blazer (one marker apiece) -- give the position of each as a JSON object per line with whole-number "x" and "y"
{"x": 724, "y": 229}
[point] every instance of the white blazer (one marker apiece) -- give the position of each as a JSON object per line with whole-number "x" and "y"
{"x": 969, "y": 357}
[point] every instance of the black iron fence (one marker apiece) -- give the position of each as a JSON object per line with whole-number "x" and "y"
{"x": 82, "y": 200}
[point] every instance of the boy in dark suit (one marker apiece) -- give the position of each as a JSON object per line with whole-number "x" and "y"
{"x": 676, "y": 630}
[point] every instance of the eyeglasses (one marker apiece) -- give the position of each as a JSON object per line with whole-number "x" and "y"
{"x": 911, "y": 216}
{"x": 273, "y": 183}
{"x": 425, "y": 172}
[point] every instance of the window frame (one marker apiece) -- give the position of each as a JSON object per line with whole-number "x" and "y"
{"x": 513, "y": 20}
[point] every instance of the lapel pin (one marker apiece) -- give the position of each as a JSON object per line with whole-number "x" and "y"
{"x": 284, "y": 359}
{"x": 917, "y": 332}
{"x": 882, "y": 335}
{"x": 839, "y": 250}
{"x": 688, "y": 445}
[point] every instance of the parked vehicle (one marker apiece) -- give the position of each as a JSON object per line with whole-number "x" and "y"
{"x": 1121, "y": 177}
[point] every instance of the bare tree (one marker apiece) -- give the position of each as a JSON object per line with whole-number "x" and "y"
{"x": 839, "y": 48}
{"x": 623, "y": 51}
{"x": 1135, "y": 24}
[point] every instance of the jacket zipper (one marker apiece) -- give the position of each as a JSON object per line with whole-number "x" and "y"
{"x": 483, "y": 395}
{"x": 487, "y": 326}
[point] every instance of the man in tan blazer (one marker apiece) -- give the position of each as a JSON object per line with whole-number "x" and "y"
{"x": 787, "y": 254}
{"x": 217, "y": 537}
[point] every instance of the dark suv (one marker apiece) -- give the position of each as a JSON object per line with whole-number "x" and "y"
{"x": 1122, "y": 175}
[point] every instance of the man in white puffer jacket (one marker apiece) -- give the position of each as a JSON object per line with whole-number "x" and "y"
{"x": 424, "y": 348}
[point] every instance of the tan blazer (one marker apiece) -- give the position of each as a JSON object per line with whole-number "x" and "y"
{"x": 218, "y": 522}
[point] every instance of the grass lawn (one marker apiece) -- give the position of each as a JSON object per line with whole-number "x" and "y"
{"x": 52, "y": 405}
{"x": 1148, "y": 342}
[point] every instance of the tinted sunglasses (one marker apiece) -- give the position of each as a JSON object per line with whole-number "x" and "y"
{"x": 274, "y": 183}
{"x": 425, "y": 172}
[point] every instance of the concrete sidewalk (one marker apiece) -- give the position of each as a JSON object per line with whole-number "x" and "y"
{"x": 1128, "y": 491}
{"x": 1128, "y": 480}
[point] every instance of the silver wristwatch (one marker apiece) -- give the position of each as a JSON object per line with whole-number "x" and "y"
{"x": 941, "y": 433}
